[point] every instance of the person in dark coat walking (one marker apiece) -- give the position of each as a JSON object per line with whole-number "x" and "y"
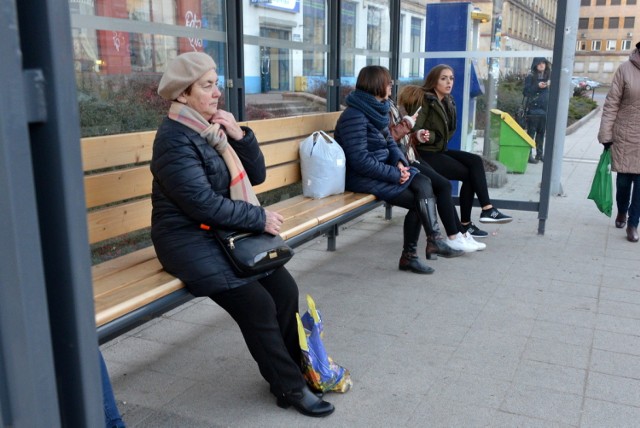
{"x": 376, "y": 165}
{"x": 536, "y": 91}
{"x": 203, "y": 166}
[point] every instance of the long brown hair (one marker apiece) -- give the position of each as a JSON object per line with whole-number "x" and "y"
{"x": 431, "y": 81}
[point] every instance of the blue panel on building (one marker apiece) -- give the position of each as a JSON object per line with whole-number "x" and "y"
{"x": 447, "y": 26}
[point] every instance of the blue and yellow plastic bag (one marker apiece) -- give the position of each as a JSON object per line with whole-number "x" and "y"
{"x": 319, "y": 370}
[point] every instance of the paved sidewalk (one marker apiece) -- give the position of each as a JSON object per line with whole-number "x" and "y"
{"x": 540, "y": 331}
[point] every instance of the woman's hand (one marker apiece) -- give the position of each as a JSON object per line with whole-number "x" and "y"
{"x": 273, "y": 223}
{"x": 228, "y": 122}
{"x": 422, "y": 135}
{"x": 404, "y": 172}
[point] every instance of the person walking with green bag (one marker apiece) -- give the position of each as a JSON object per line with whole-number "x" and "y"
{"x": 619, "y": 130}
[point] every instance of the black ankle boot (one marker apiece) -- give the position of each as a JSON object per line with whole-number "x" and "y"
{"x": 437, "y": 246}
{"x": 306, "y": 402}
{"x": 409, "y": 261}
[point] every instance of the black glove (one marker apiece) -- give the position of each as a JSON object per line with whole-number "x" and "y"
{"x": 607, "y": 146}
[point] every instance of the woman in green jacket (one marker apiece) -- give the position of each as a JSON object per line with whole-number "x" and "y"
{"x": 438, "y": 116}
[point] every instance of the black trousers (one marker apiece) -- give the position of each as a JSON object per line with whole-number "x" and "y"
{"x": 266, "y": 310}
{"x": 536, "y": 125}
{"x": 442, "y": 190}
{"x": 465, "y": 167}
{"x": 419, "y": 188}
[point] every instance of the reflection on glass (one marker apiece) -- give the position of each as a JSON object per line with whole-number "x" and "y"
{"x": 285, "y": 58}
{"x": 118, "y": 66}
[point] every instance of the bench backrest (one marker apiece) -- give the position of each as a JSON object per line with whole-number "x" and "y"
{"x": 118, "y": 180}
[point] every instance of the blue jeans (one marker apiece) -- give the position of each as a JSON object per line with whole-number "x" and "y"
{"x": 624, "y": 183}
{"x": 112, "y": 418}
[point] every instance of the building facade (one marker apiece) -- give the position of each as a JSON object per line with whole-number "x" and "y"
{"x": 607, "y": 33}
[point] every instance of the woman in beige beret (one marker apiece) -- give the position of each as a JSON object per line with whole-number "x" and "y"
{"x": 203, "y": 166}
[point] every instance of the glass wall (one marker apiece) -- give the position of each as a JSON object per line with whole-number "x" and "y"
{"x": 121, "y": 48}
{"x": 285, "y": 57}
{"x": 491, "y": 59}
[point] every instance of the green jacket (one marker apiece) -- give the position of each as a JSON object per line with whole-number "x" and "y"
{"x": 439, "y": 118}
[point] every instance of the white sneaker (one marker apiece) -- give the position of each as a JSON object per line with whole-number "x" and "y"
{"x": 479, "y": 245}
{"x": 460, "y": 243}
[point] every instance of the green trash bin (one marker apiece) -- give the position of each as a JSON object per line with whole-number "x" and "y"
{"x": 514, "y": 144}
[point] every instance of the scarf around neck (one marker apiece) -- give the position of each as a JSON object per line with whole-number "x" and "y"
{"x": 376, "y": 111}
{"x": 240, "y": 188}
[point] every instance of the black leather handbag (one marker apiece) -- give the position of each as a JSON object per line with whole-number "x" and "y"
{"x": 253, "y": 253}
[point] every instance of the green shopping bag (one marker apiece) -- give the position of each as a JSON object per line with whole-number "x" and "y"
{"x": 602, "y": 187}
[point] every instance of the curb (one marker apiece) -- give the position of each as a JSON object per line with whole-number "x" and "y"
{"x": 574, "y": 127}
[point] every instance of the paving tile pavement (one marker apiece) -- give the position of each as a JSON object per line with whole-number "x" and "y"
{"x": 533, "y": 331}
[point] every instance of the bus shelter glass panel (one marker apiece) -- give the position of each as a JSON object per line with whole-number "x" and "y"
{"x": 121, "y": 49}
{"x": 491, "y": 59}
{"x": 365, "y": 39}
{"x": 285, "y": 58}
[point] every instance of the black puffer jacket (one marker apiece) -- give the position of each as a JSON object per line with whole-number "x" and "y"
{"x": 190, "y": 188}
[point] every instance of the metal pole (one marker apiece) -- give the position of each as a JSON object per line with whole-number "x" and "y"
{"x": 494, "y": 74}
{"x": 394, "y": 65}
{"x": 28, "y": 396}
{"x": 563, "y": 55}
{"x": 45, "y": 33}
{"x": 235, "y": 60}
{"x": 333, "y": 60}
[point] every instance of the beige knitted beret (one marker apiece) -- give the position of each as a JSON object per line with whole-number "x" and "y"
{"x": 182, "y": 71}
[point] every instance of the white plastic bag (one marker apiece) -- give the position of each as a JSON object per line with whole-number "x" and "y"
{"x": 323, "y": 166}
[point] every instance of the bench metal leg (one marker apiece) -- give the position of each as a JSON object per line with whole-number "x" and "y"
{"x": 387, "y": 210}
{"x": 331, "y": 238}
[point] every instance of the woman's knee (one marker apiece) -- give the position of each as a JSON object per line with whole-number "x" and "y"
{"x": 421, "y": 185}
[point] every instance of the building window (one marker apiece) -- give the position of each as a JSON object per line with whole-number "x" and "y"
{"x": 348, "y": 38}
{"x": 374, "y": 33}
{"x": 629, "y": 21}
{"x": 596, "y": 45}
{"x": 598, "y": 23}
{"x": 585, "y": 3}
{"x": 601, "y": 2}
{"x": 314, "y": 18}
{"x": 581, "y": 45}
{"x": 626, "y": 45}
{"x": 631, "y": 2}
{"x": 611, "y": 45}
{"x": 614, "y": 22}
{"x": 416, "y": 28}
{"x": 615, "y": 2}
{"x": 583, "y": 23}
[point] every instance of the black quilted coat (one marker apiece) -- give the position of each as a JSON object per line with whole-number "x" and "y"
{"x": 190, "y": 188}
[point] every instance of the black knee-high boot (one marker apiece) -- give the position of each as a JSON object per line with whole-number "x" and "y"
{"x": 436, "y": 244}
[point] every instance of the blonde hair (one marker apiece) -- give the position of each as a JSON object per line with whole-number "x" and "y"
{"x": 410, "y": 98}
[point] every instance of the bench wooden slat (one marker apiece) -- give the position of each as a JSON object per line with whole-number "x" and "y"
{"x": 115, "y": 150}
{"x": 134, "y": 296}
{"x": 104, "y": 188}
{"x": 104, "y": 269}
{"x": 298, "y": 126}
{"x": 119, "y": 219}
{"x": 281, "y": 152}
{"x": 123, "y": 278}
{"x": 279, "y": 176}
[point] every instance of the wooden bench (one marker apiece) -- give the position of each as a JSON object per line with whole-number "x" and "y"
{"x": 133, "y": 288}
